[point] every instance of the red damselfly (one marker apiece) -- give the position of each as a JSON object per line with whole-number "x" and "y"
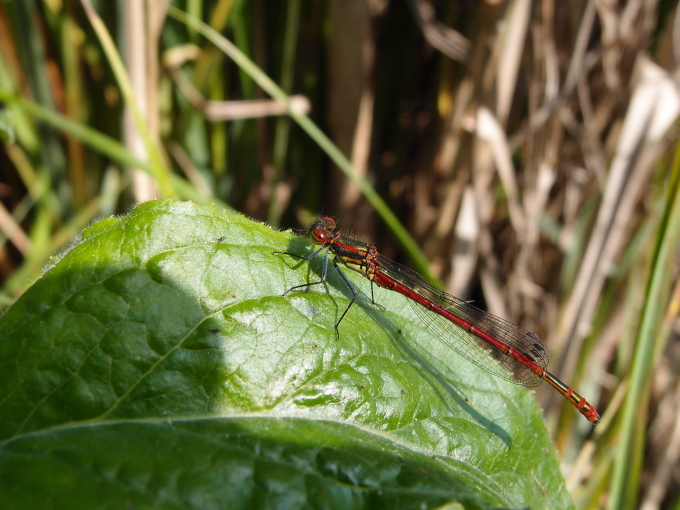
{"x": 496, "y": 345}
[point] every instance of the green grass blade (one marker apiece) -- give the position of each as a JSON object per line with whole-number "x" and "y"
{"x": 157, "y": 168}
{"x": 627, "y": 467}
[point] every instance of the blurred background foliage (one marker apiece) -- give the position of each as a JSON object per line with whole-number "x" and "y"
{"x": 526, "y": 149}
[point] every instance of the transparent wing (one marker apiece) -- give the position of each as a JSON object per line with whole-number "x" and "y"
{"x": 473, "y": 347}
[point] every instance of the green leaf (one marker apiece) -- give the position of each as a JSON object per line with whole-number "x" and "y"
{"x": 157, "y": 363}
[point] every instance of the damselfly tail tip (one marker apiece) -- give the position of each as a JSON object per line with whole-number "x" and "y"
{"x": 590, "y": 413}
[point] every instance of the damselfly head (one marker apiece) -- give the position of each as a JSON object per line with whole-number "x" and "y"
{"x": 323, "y": 222}
{"x": 321, "y": 229}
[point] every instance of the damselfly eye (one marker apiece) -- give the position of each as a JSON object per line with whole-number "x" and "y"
{"x": 318, "y": 236}
{"x": 329, "y": 222}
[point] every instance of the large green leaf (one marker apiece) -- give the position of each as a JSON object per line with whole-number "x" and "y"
{"x": 157, "y": 363}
